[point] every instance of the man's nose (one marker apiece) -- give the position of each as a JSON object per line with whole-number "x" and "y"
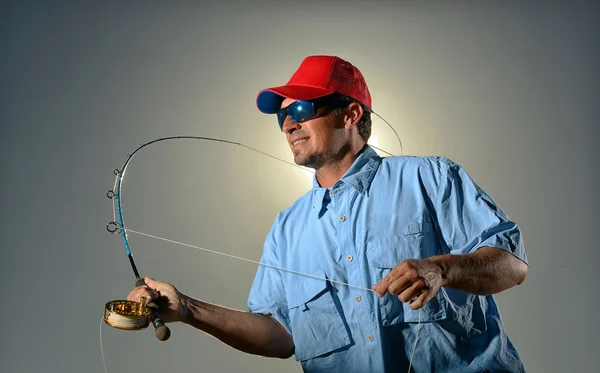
{"x": 289, "y": 125}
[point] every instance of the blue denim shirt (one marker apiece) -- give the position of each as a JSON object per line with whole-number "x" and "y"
{"x": 382, "y": 211}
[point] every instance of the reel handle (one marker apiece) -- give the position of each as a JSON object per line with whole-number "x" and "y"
{"x": 162, "y": 331}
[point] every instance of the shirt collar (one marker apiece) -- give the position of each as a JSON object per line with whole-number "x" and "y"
{"x": 359, "y": 175}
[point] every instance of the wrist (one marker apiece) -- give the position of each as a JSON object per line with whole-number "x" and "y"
{"x": 443, "y": 263}
{"x": 186, "y": 309}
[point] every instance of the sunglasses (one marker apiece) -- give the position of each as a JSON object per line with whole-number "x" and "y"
{"x": 302, "y": 110}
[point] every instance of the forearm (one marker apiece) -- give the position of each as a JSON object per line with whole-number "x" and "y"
{"x": 486, "y": 271}
{"x": 252, "y": 333}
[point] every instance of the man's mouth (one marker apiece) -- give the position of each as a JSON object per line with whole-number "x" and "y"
{"x": 297, "y": 142}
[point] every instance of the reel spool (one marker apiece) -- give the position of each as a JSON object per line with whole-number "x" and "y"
{"x": 127, "y": 315}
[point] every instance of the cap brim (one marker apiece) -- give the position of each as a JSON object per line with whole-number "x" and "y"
{"x": 269, "y": 100}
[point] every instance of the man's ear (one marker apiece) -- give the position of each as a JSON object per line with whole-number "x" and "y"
{"x": 353, "y": 114}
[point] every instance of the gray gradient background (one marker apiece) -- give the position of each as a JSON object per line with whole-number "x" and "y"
{"x": 507, "y": 89}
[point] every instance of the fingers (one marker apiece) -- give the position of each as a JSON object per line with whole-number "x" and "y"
{"x": 139, "y": 292}
{"x": 407, "y": 285}
{"x": 384, "y": 286}
{"x": 400, "y": 277}
{"x": 421, "y": 300}
{"x": 152, "y": 283}
{"x": 143, "y": 291}
{"x": 413, "y": 291}
{"x": 381, "y": 287}
{"x": 412, "y": 281}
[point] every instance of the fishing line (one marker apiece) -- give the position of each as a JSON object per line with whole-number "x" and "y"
{"x": 248, "y": 260}
{"x": 416, "y": 340}
{"x": 395, "y": 133}
{"x": 102, "y": 346}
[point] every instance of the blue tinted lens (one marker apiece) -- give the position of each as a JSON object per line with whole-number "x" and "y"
{"x": 301, "y": 111}
{"x": 281, "y": 114}
{"x": 298, "y": 111}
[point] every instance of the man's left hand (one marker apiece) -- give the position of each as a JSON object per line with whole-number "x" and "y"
{"x": 414, "y": 280}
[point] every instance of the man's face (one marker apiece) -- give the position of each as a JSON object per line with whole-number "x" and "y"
{"x": 315, "y": 141}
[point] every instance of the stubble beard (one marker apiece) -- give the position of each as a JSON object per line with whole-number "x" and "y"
{"x": 312, "y": 160}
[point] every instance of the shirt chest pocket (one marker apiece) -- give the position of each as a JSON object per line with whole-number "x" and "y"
{"x": 316, "y": 319}
{"x": 387, "y": 253}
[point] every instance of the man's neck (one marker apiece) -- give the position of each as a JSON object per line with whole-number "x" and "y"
{"x": 330, "y": 173}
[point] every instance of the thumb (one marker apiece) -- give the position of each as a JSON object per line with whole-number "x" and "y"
{"x": 376, "y": 289}
{"x": 151, "y": 283}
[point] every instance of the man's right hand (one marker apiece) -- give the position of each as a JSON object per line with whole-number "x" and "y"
{"x": 166, "y": 297}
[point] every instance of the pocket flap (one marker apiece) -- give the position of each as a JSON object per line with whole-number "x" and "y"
{"x": 305, "y": 290}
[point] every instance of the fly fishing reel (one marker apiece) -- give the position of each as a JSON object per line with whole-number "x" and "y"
{"x": 130, "y": 315}
{"x": 127, "y": 315}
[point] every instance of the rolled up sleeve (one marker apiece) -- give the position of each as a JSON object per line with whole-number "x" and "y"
{"x": 469, "y": 219}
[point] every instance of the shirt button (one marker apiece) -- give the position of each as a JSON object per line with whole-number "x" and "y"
{"x": 331, "y": 193}
{"x": 340, "y": 184}
{"x": 357, "y": 298}
{"x": 342, "y": 218}
{"x": 350, "y": 258}
{"x": 370, "y": 338}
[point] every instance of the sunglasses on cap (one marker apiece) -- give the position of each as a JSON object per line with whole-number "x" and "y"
{"x": 302, "y": 110}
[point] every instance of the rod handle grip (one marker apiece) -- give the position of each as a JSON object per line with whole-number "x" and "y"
{"x": 162, "y": 331}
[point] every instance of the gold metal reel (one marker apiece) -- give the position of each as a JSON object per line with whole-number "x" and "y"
{"x": 127, "y": 315}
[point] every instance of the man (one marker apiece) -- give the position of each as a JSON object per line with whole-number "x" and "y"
{"x": 400, "y": 255}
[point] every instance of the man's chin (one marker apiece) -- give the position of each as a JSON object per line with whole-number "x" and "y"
{"x": 310, "y": 161}
{"x": 298, "y": 156}
{"x": 300, "y": 161}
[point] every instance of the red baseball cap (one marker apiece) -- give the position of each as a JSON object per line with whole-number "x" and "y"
{"x": 316, "y": 77}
